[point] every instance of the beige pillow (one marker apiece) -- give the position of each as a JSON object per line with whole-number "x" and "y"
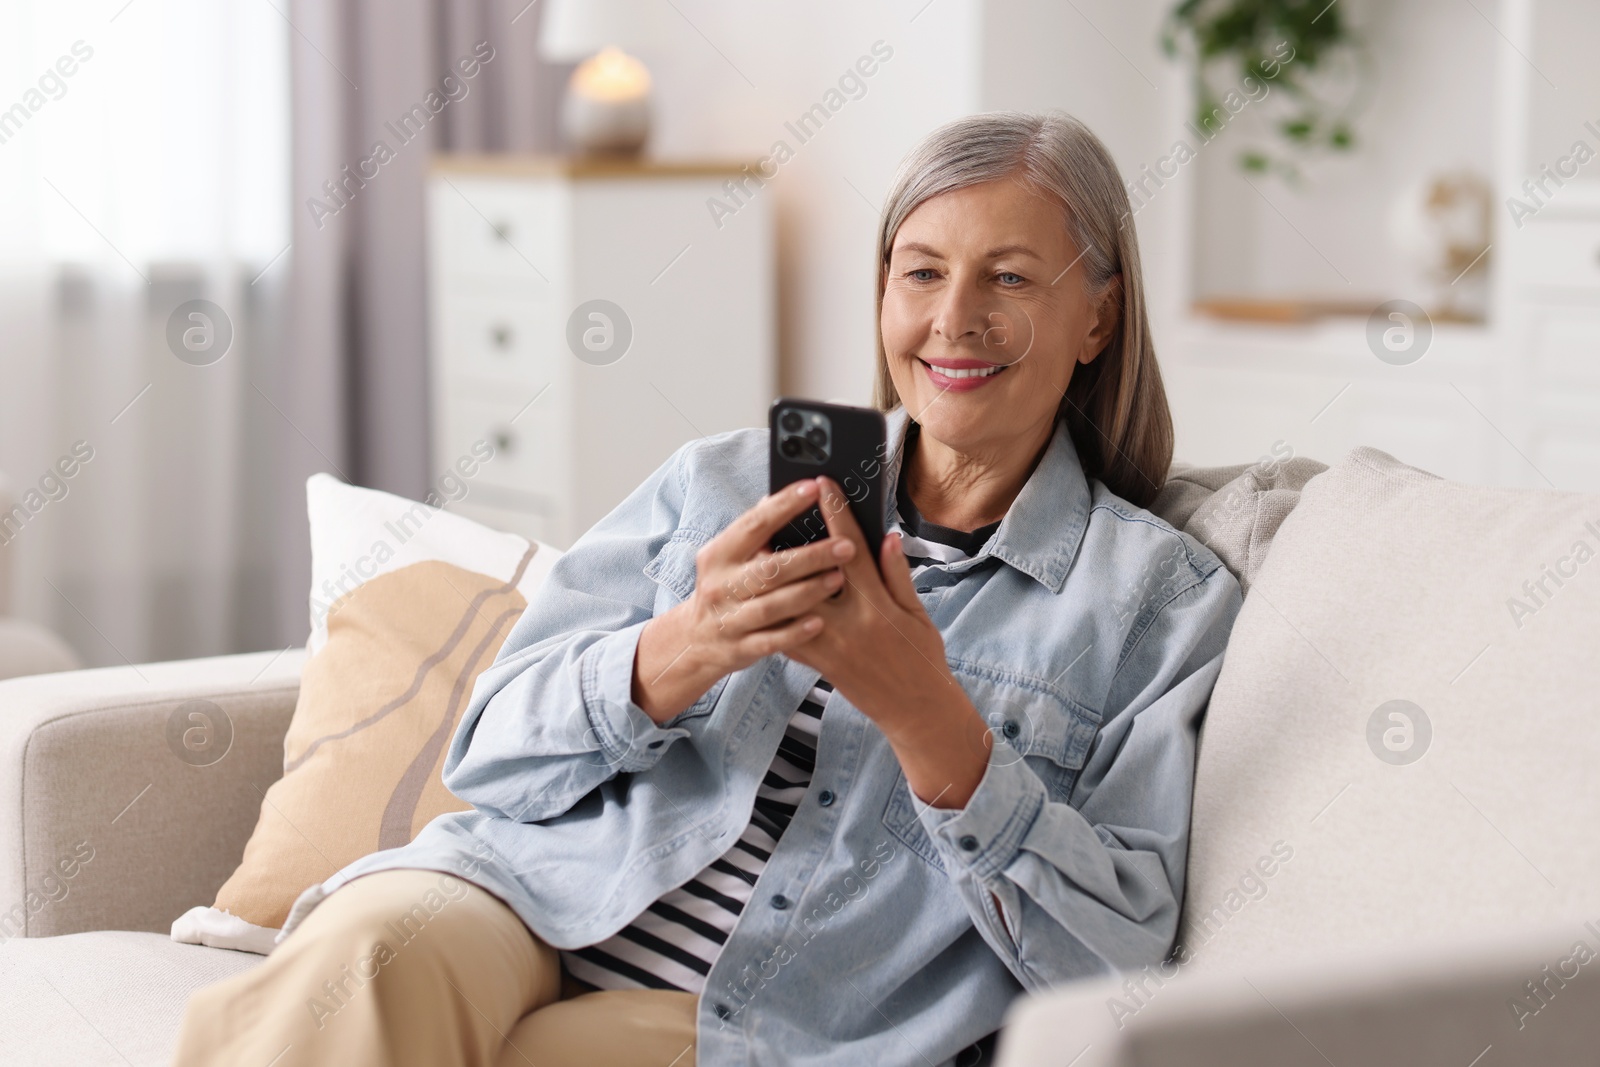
{"x": 1404, "y": 738}
{"x": 415, "y": 603}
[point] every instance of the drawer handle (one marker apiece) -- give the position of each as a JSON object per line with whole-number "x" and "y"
{"x": 504, "y": 439}
{"x": 502, "y": 231}
{"x": 500, "y": 334}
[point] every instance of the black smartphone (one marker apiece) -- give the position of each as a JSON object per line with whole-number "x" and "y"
{"x": 808, "y": 439}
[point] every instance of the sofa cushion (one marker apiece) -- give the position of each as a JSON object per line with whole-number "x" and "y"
{"x": 1403, "y": 739}
{"x": 1236, "y": 511}
{"x": 112, "y": 998}
{"x": 409, "y": 605}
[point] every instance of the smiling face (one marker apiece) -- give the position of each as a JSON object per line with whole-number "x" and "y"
{"x": 985, "y": 315}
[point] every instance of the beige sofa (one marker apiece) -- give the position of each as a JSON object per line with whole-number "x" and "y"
{"x": 1357, "y": 893}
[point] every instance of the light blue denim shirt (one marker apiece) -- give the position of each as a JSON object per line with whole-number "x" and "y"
{"x": 1088, "y": 633}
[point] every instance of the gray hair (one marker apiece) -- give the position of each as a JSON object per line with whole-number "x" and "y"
{"x": 1115, "y": 406}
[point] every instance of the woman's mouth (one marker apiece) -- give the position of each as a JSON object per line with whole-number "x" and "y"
{"x": 961, "y": 375}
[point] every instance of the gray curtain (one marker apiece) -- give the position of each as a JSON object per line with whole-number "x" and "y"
{"x": 352, "y": 386}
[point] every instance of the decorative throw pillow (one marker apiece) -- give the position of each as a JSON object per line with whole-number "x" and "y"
{"x": 408, "y": 605}
{"x": 1401, "y": 746}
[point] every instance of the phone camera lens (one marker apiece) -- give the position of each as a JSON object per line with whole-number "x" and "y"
{"x": 791, "y": 421}
{"x": 817, "y": 436}
{"x": 790, "y": 447}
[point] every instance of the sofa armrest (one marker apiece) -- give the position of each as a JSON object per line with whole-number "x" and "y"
{"x": 127, "y": 793}
{"x": 1533, "y": 995}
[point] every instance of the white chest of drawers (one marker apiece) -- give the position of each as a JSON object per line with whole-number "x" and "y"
{"x": 581, "y": 401}
{"x": 1554, "y": 297}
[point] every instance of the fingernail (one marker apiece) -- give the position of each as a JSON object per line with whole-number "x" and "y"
{"x": 843, "y": 549}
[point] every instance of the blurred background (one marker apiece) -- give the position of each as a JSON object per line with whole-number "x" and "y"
{"x": 249, "y": 240}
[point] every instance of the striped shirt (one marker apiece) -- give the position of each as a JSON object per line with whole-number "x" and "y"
{"x": 674, "y": 943}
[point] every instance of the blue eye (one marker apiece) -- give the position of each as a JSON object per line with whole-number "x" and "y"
{"x": 1005, "y": 274}
{"x": 913, "y": 274}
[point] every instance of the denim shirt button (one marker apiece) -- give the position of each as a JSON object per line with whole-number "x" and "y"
{"x": 968, "y": 843}
{"x": 924, "y": 588}
{"x": 655, "y": 744}
{"x": 721, "y": 1011}
{"x": 825, "y": 798}
{"x": 1011, "y": 729}
{"x": 780, "y": 901}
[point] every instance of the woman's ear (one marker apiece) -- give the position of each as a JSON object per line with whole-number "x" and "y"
{"x": 1107, "y": 317}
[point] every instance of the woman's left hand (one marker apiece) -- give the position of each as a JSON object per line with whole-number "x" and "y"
{"x": 880, "y": 649}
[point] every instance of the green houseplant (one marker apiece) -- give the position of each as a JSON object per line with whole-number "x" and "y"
{"x": 1303, "y": 47}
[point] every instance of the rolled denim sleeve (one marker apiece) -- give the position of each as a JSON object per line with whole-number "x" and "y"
{"x": 553, "y": 717}
{"x": 985, "y": 836}
{"x": 1065, "y": 889}
{"x": 626, "y": 737}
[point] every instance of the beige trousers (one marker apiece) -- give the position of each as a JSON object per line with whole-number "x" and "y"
{"x": 413, "y": 967}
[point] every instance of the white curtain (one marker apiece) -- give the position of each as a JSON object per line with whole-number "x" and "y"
{"x": 144, "y": 163}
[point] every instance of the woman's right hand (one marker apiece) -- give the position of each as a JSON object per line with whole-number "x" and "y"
{"x": 748, "y": 602}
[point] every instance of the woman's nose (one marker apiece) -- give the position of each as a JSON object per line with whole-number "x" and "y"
{"x": 960, "y": 314}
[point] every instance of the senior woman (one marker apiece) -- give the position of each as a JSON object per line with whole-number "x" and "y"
{"x": 740, "y": 807}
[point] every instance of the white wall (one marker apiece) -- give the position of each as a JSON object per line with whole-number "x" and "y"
{"x": 732, "y": 77}
{"x": 1100, "y": 60}
{"x": 1097, "y": 59}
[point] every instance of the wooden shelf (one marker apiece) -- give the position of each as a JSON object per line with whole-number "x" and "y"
{"x": 1300, "y": 312}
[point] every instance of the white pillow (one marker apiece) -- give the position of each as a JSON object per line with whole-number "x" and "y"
{"x": 358, "y": 534}
{"x": 393, "y": 577}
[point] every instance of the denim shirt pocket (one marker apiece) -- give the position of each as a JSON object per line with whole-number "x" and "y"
{"x": 1048, "y": 730}
{"x": 673, "y": 569}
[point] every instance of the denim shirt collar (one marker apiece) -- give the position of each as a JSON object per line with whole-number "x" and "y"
{"x": 1044, "y": 526}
